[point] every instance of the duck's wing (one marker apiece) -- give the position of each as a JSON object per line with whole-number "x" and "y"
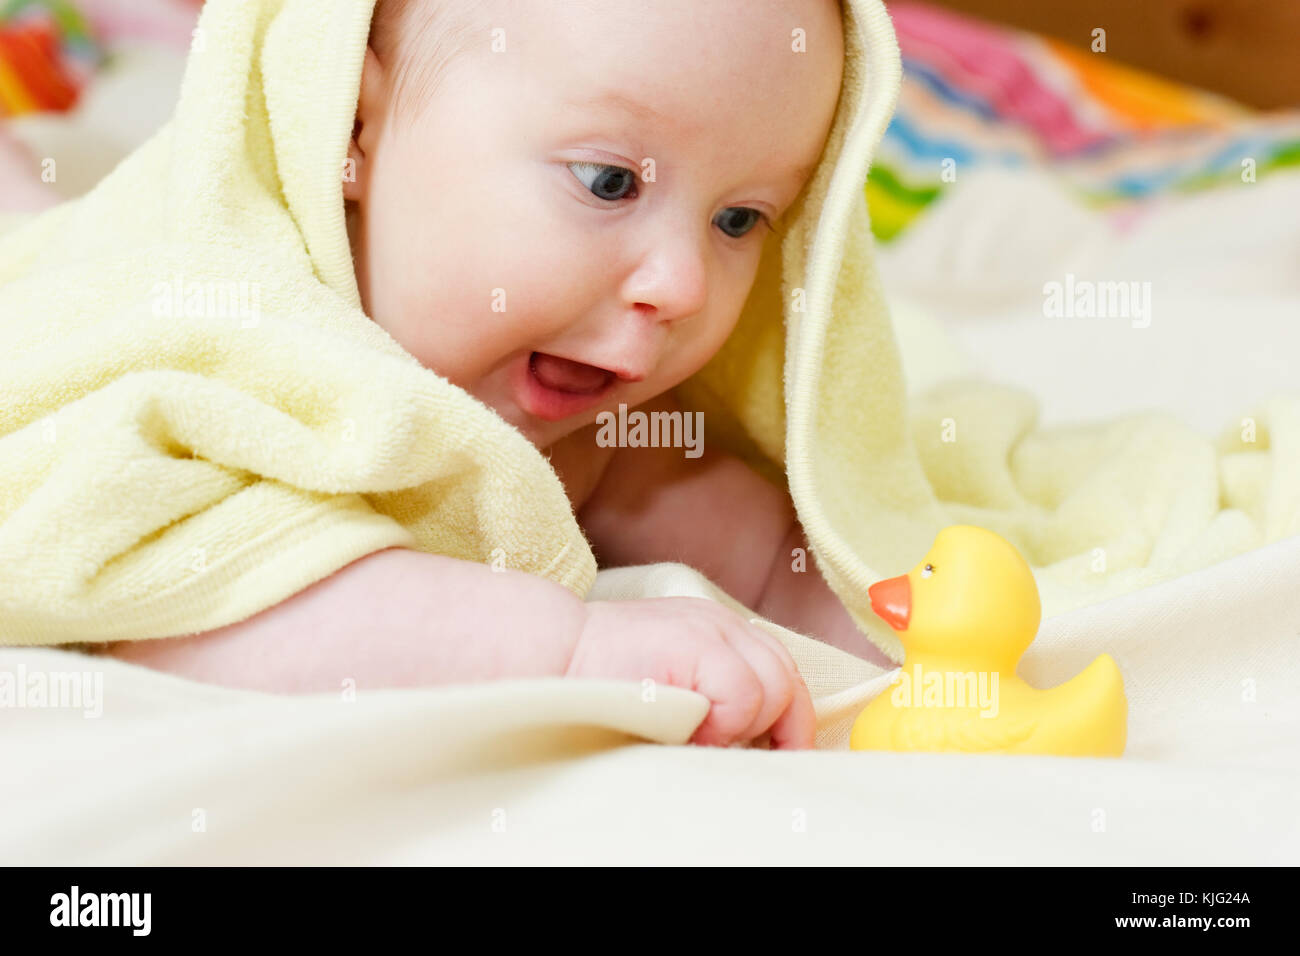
{"x": 1005, "y": 732}
{"x": 942, "y": 729}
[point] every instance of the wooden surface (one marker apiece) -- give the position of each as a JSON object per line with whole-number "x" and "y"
{"x": 1246, "y": 49}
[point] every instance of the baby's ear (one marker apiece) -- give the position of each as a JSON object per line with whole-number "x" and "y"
{"x": 352, "y": 166}
{"x": 371, "y": 105}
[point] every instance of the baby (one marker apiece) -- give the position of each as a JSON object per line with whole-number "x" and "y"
{"x": 474, "y": 172}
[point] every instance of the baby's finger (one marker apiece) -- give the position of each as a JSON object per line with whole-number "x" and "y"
{"x": 727, "y": 679}
{"x": 779, "y": 684}
{"x": 774, "y": 642}
{"x": 796, "y": 728}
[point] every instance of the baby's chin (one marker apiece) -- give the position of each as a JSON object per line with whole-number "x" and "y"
{"x": 540, "y": 433}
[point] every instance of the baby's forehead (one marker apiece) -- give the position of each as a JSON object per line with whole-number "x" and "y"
{"x": 729, "y": 84}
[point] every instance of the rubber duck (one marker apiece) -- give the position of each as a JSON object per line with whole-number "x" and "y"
{"x": 965, "y": 615}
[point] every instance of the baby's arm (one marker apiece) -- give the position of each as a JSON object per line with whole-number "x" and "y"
{"x": 402, "y": 618}
{"x": 719, "y": 516}
{"x": 394, "y": 618}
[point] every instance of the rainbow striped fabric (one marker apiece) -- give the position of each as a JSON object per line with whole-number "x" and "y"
{"x": 975, "y": 93}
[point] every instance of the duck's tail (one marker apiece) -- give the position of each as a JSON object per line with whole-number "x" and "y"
{"x": 1093, "y": 711}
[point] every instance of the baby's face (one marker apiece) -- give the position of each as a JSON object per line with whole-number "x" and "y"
{"x": 527, "y": 214}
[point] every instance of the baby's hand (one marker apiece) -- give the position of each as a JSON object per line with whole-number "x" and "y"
{"x": 703, "y": 646}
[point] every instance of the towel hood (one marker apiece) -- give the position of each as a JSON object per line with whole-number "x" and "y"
{"x": 769, "y": 395}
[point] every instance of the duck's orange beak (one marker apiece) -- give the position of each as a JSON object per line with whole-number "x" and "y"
{"x": 891, "y": 599}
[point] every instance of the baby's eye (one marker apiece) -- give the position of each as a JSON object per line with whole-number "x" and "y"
{"x": 612, "y": 183}
{"x": 927, "y": 570}
{"x": 745, "y": 221}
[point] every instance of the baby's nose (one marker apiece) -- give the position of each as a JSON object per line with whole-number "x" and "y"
{"x": 673, "y": 284}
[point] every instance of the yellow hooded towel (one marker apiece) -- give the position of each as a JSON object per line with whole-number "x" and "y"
{"x": 197, "y": 420}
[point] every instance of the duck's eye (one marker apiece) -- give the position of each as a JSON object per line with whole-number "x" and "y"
{"x": 927, "y": 570}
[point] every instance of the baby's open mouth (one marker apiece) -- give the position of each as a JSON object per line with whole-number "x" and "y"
{"x": 565, "y": 375}
{"x": 554, "y": 388}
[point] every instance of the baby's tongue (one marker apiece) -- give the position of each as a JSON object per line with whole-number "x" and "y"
{"x": 566, "y": 376}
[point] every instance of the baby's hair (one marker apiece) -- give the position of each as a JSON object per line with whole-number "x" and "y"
{"x": 416, "y": 40}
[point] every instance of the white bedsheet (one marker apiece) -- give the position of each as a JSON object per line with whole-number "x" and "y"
{"x": 544, "y": 771}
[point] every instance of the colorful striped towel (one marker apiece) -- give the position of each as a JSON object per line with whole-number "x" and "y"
{"x": 50, "y": 49}
{"x": 975, "y": 94}
{"x": 47, "y": 53}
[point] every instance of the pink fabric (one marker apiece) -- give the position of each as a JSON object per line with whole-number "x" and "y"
{"x": 990, "y": 62}
{"x": 166, "y": 22}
